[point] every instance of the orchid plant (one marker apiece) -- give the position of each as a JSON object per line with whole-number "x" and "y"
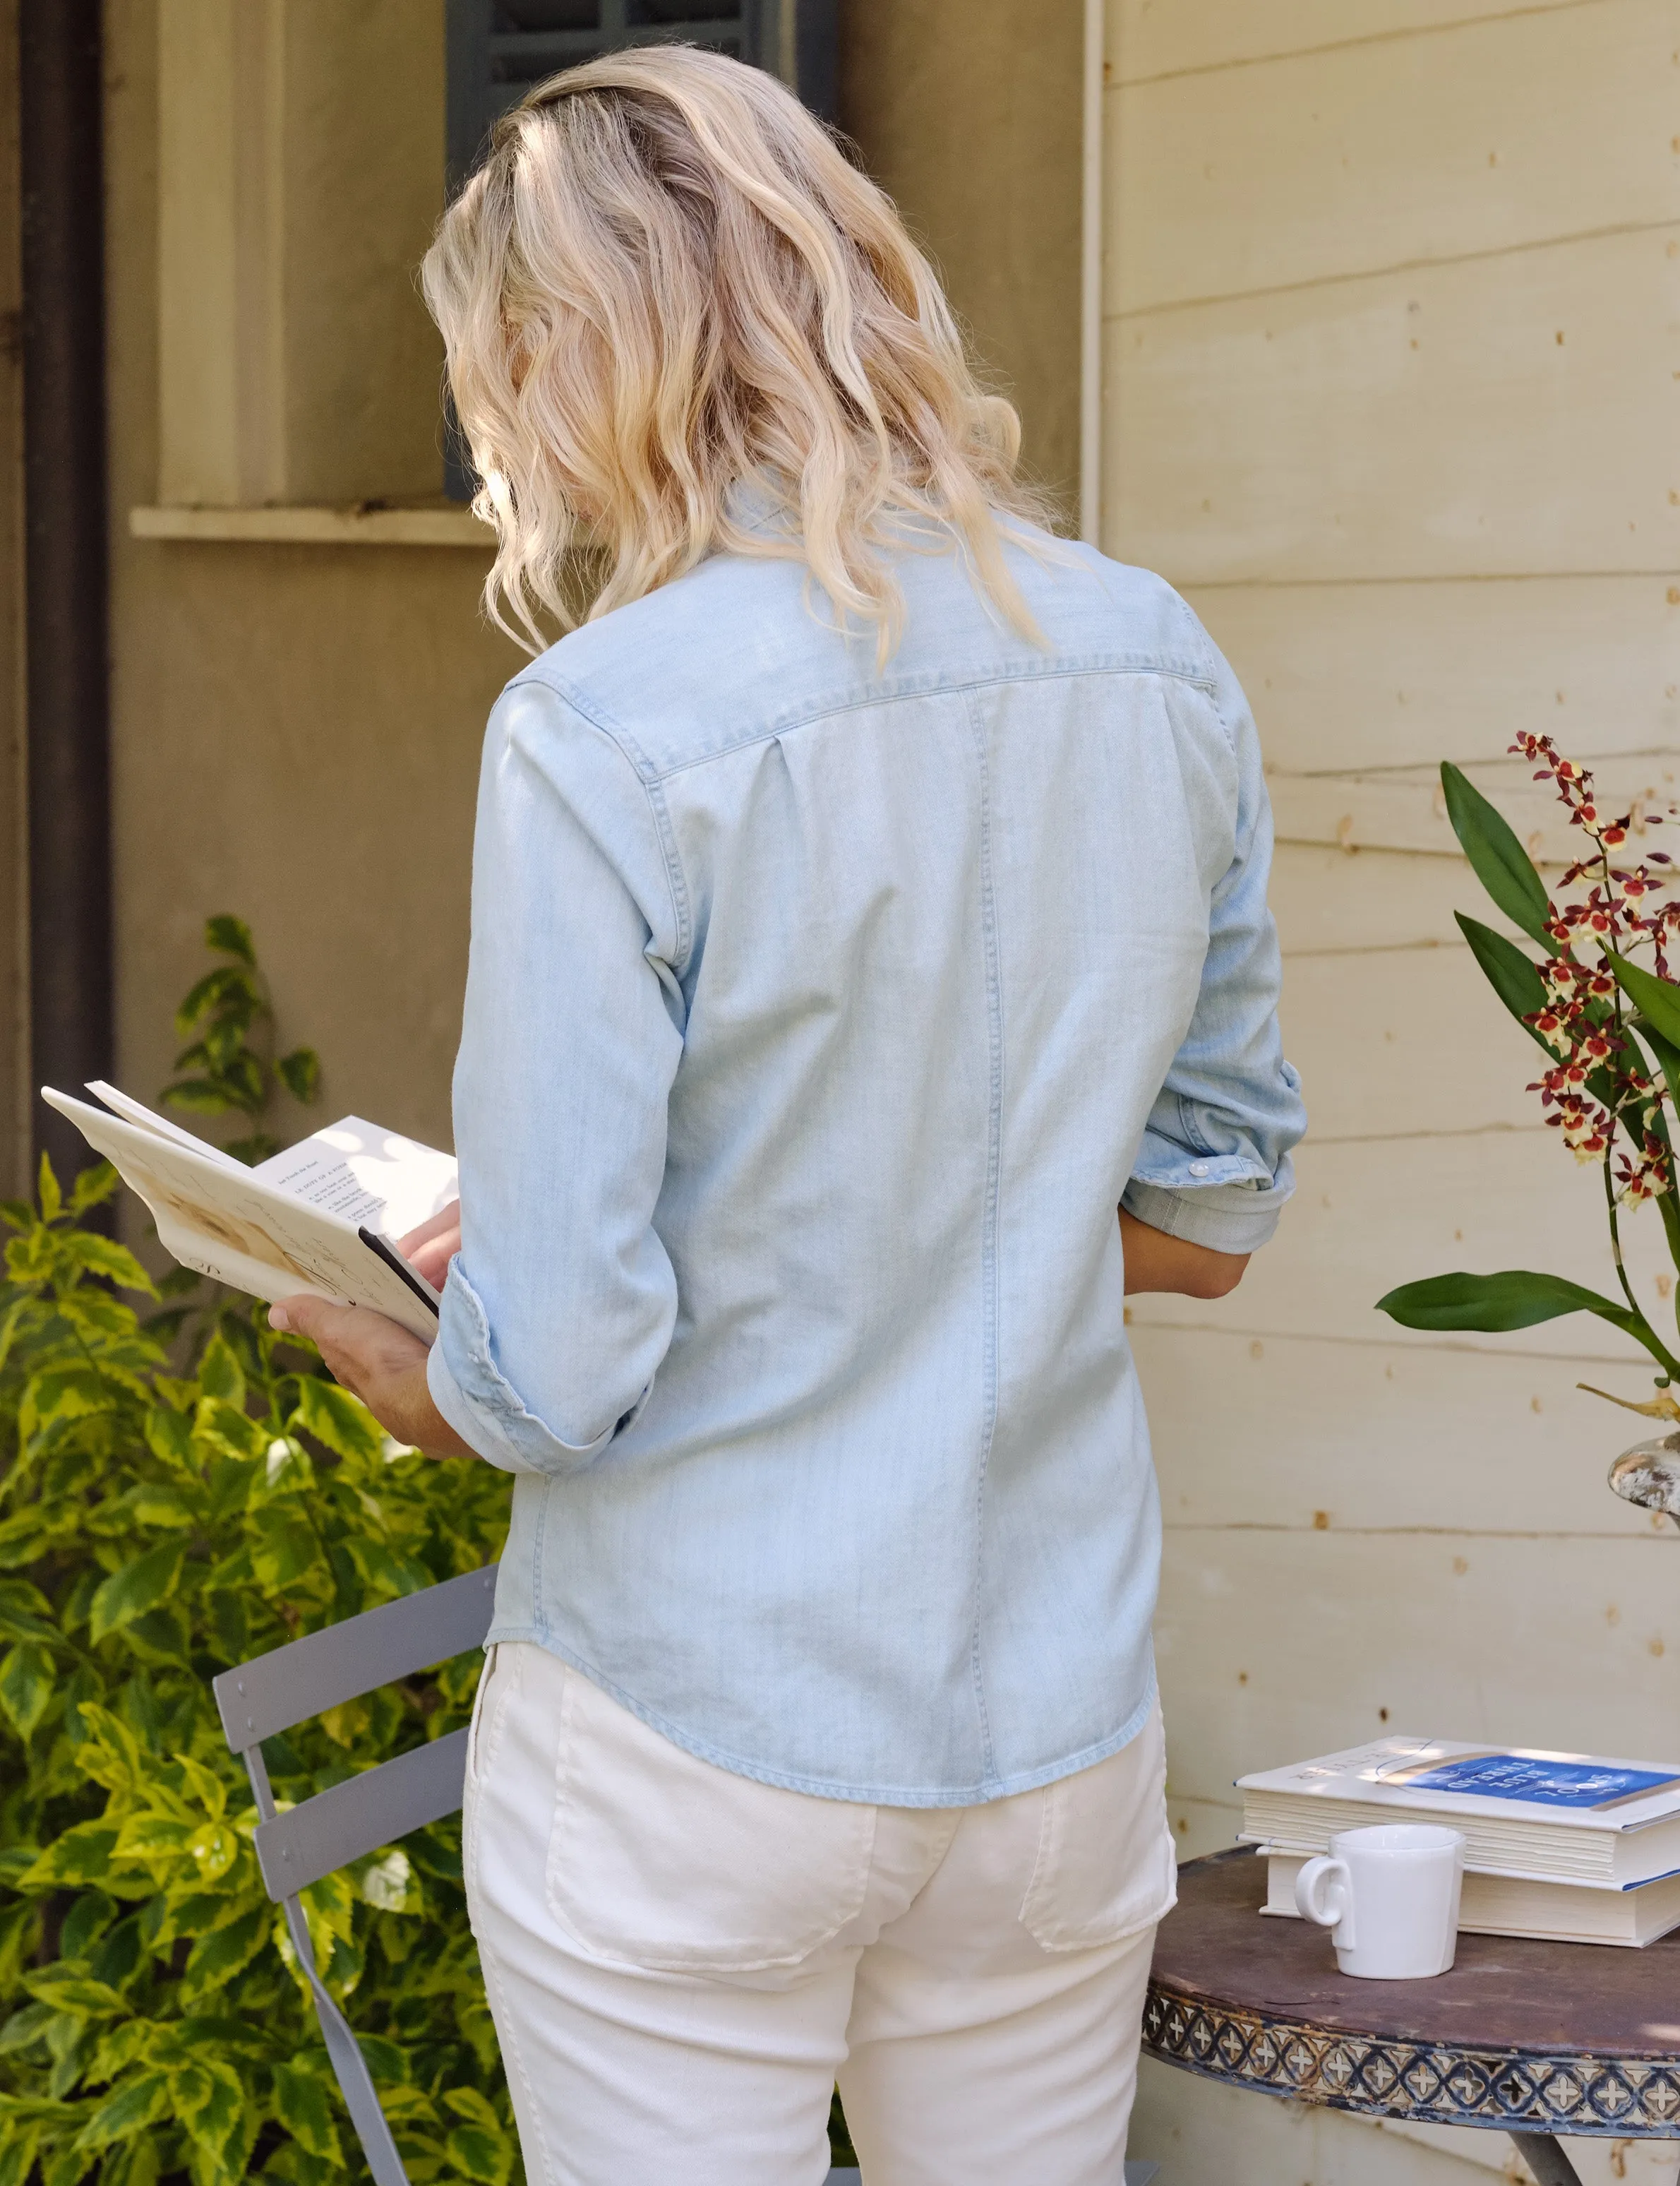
{"x": 1609, "y": 1026}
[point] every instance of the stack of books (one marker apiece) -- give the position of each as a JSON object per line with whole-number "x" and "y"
{"x": 1561, "y": 1846}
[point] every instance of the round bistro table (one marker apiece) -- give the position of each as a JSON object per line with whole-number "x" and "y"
{"x": 1532, "y": 2039}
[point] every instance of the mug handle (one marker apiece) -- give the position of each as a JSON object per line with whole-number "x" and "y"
{"x": 1332, "y": 1907}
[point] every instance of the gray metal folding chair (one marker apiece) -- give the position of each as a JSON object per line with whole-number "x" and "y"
{"x": 290, "y": 1685}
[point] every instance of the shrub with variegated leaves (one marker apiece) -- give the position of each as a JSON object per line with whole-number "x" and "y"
{"x": 157, "y": 1526}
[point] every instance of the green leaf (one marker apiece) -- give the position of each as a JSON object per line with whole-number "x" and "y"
{"x": 66, "y": 2166}
{"x": 128, "y": 2110}
{"x": 138, "y": 1586}
{"x": 25, "y": 2027}
{"x": 1657, "y": 1000}
{"x": 300, "y": 2104}
{"x": 221, "y": 1375}
{"x": 479, "y": 2148}
{"x": 229, "y": 990}
{"x": 68, "y": 1986}
{"x": 1513, "y": 1299}
{"x": 209, "y": 2102}
{"x": 80, "y": 1855}
{"x": 231, "y": 936}
{"x": 92, "y": 1186}
{"x": 18, "y": 2144}
{"x": 24, "y": 1611}
{"x": 286, "y": 1550}
{"x": 216, "y": 1958}
{"x": 102, "y": 1256}
{"x": 337, "y": 1419}
{"x": 299, "y": 1072}
{"x": 1498, "y": 860}
{"x": 1666, "y": 1055}
{"x": 137, "y": 2162}
{"x": 198, "y": 1096}
{"x": 1510, "y": 972}
{"x": 47, "y": 1191}
{"x": 26, "y": 1681}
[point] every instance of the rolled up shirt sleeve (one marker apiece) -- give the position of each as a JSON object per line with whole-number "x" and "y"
{"x": 1214, "y": 1165}
{"x": 559, "y": 1308}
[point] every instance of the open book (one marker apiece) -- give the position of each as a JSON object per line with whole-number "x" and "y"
{"x": 319, "y": 1217}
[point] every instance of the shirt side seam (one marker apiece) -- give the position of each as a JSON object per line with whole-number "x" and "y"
{"x": 990, "y": 1269}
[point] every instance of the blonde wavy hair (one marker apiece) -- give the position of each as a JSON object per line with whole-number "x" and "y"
{"x": 666, "y": 284}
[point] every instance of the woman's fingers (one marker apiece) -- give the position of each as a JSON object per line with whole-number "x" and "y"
{"x": 362, "y": 1347}
{"x": 430, "y": 1246}
{"x": 445, "y": 1222}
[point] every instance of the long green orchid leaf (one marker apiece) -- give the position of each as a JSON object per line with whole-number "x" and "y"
{"x": 1514, "y": 1297}
{"x": 1500, "y": 861}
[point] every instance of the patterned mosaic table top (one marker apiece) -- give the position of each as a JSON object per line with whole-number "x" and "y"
{"x": 1537, "y": 2038}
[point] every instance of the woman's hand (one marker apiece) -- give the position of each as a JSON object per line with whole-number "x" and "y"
{"x": 377, "y": 1361}
{"x": 1157, "y": 1261}
{"x": 429, "y": 1248}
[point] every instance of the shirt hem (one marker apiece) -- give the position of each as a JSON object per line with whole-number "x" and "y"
{"x": 818, "y": 1787}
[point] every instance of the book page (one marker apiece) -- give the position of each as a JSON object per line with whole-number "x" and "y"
{"x": 373, "y": 1178}
{"x": 135, "y": 1111}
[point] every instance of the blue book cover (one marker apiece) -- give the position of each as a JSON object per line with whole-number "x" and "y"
{"x": 1588, "y": 1786}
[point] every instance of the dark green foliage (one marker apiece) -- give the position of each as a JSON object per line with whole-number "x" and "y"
{"x": 157, "y": 1526}
{"x": 1513, "y": 1299}
{"x": 1657, "y": 1000}
{"x": 227, "y": 1075}
{"x": 1498, "y": 860}
{"x": 1510, "y": 974}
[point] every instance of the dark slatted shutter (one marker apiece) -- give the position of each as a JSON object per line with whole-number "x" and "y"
{"x": 499, "y": 48}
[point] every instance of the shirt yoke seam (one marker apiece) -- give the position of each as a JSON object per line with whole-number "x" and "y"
{"x": 1062, "y": 671}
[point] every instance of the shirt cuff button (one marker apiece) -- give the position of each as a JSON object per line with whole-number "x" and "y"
{"x": 1198, "y": 1169}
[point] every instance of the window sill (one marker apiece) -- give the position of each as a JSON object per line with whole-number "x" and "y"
{"x": 440, "y": 525}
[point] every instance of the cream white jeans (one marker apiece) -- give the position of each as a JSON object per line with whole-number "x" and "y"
{"x": 681, "y": 1961}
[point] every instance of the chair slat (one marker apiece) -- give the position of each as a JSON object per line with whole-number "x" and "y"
{"x": 363, "y": 1813}
{"x": 289, "y": 1685}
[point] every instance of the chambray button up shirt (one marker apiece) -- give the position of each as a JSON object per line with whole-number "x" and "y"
{"x": 818, "y": 1017}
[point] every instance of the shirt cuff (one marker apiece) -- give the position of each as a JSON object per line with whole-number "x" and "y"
{"x": 481, "y": 1405}
{"x": 1225, "y": 1217}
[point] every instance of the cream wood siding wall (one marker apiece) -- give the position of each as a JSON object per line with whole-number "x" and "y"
{"x": 1391, "y": 371}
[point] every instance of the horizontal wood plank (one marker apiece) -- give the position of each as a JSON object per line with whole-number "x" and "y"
{"x": 1276, "y": 1646}
{"x": 1362, "y": 676}
{"x": 1369, "y": 1033}
{"x": 1371, "y": 1214}
{"x": 1302, "y": 1434}
{"x": 1514, "y": 415}
{"x": 1330, "y": 902}
{"x": 1405, "y": 809}
{"x": 1200, "y": 1825}
{"x": 1392, "y": 153}
{"x": 1164, "y": 37}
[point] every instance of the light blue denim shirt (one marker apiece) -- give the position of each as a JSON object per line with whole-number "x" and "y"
{"x": 819, "y": 1018}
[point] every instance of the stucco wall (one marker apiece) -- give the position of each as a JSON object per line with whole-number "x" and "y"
{"x": 296, "y": 728}
{"x": 970, "y": 119}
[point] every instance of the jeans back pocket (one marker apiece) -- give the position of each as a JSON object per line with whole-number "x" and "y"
{"x": 660, "y": 1859}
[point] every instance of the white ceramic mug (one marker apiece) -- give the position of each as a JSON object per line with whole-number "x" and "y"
{"x": 1390, "y": 1897}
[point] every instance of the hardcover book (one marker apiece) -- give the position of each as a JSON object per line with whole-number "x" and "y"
{"x": 1517, "y": 1905}
{"x": 319, "y": 1217}
{"x": 1553, "y": 1817}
